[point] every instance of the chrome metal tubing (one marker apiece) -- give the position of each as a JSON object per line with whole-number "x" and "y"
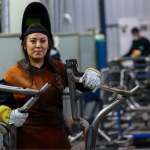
{"x": 114, "y": 89}
{"x": 104, "y": 135}
{"x": 73, "y": 96}
{"x": 13, "y": 89}
{"x": 108, "y": 88}
{"x": 147, "y": 59}
{"x": 34, "y": 99}
{"x": 71, "y": 139}
{"x": 122, "y": 76}
{"x": 107, "y": 110}
{"x": 9, "y": 136}
{"x": 13, "y": 136}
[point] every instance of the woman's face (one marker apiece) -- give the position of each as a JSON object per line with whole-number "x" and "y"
{"x": 36, "y": 46}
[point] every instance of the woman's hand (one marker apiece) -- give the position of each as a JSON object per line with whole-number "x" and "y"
{"x": 17, "y": 118}
{"x": 91, "y": 79}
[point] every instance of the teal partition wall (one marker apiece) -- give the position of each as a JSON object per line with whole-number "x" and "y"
{"x": 87, "y": 51}
{"x": 69, "y": 47}
{"x": 10, "y": 52}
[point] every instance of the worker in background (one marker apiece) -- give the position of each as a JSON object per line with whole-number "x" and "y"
{"x": 140, "y": 45}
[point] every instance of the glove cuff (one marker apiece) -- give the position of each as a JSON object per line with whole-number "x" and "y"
{"x": 93, "y": 70}
{"x": 5, "y": 113}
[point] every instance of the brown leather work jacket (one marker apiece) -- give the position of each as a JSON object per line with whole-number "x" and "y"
{"x": 48, "y": 109}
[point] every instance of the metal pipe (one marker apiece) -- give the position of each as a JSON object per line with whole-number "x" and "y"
{"x": 33, "y": 100}
{"x": 13, "y": 89}
{"x": 71, "y": 139}
{"x": 104, "y": 135}
{"x": 73, "y": 96}
{"x": 13, "y": 133}
{"x": 9, "y": 136}
{"x": 107, "y": 110}
{"x": 102, "y": 114}
{"x": 114, "y": 89}
{"x": 147, "y": 59}
{"x": 122, "y": 77}
{"x": 107, "y": 87}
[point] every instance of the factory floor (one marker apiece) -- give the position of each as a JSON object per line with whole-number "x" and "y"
{"x": 138, "y": 128}
{"x": 138, "y": 143}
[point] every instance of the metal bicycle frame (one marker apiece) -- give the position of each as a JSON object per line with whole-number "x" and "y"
{"x": 90, "y": 131}
{"x": 10, "y": 143}
{"x": 75, "y": 116}
{"x": 147, "y": 59}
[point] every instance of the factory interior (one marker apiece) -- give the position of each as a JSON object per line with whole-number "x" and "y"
{"x": 103, "y": 42}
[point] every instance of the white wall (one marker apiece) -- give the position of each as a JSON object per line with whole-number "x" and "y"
{"x": 16, "y": 9}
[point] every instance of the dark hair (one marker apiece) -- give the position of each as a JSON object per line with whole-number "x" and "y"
{"x": 49, "y": 62}
{"x": 135, "y": 30}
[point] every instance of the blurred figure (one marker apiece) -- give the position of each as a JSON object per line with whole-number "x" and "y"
{"x": 140, "y": 45}
{"x": 55, "y": 54}
{"x": 55, "y": 49}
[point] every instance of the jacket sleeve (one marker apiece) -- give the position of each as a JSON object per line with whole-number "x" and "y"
{"x": 6, "y": 98}
{"x": 146, "y": 50}
{"x": 6, "y": 104}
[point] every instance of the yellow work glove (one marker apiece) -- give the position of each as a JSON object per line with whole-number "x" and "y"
{"x": 4, "y": 113}
{"x": 91, "y": 79}
{"x": 136, "y": 53}
{"x": 9, "y": 116}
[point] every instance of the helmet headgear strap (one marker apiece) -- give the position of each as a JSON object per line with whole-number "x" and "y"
{"x": 36, "y": 30}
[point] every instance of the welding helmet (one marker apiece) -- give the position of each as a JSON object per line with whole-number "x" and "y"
{"x": 36, "y": 13}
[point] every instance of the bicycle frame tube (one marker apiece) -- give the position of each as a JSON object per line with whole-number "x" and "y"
{"x": 147, "y": 59}
{"x": 108, "y": 87}
{"x": 13, "y": 89}
{"x": 90, "y": 132}
{"x": 27, "y": 106}
{"x": 31, "y": 101}
{"x": 107, "y": 110}
{"x": 73, "y": 97}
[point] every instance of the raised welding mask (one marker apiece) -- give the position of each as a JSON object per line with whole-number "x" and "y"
{"x": 36, "y": 13}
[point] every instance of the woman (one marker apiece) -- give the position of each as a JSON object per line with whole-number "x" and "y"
{"x": 42, "y": 126}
